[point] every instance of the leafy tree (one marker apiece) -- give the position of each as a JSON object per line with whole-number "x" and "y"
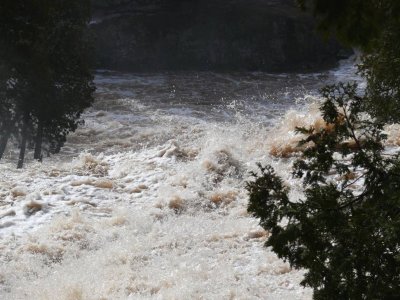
{"x": 372, "y": 26}
{"x": 11, "y": 87}
{"x": 381, "y": 69}
{"x": 45, "y": 48}
{"x": 345, "y": 230}
{"x": 5, "y": 110}
{"x": 68, "y": 52}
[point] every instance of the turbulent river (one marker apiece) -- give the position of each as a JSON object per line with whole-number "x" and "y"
{"x": 147, "y": 199}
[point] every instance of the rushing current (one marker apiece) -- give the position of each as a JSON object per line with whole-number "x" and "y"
{"x": 147, "y": 199}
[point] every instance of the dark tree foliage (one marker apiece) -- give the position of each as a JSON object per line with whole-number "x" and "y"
{"x": 358, "y": 23}
{"x": 381, "y": 68}
{"x": 345, "y": 230}
{"x": 373, "y": 26}
{"x": 47, "y": 83}
{"x": 4, "y": 110}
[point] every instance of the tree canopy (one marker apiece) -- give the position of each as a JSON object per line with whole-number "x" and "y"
{"x": 345, "y": 229}
{"x": 373, "y": 27}
{"x": 358, "y": 23}
{"x": 46, "y": 83}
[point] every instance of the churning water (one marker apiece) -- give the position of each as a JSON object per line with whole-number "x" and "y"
{"x": 147, "y": 200}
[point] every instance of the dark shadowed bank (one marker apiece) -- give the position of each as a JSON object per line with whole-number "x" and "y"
{"x": 251, "y": 35}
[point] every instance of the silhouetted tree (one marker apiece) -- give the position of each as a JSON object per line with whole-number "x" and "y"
{"x": 46, "y": 49}
{"x": 345, "y": 230}
{"x": 71, "y": 93}
{"x": 372, "y": 26}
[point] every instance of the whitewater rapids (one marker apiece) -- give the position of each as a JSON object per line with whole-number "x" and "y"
{"x": 147, "y": 200}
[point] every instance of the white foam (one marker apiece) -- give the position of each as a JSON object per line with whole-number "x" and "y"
{"x": 147, "y": 201}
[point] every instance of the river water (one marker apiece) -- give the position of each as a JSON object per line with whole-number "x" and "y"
{"x": 147, "y": 199}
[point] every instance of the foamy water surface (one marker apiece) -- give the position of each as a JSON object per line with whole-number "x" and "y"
{"x": 147, "y": 200}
